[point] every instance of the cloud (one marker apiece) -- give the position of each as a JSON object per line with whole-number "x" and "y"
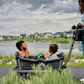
{"x": 7, "y": 18}
{"x": 44, "y": 20}
{"x": 15, "y": 31}
{"x": 22, "y": 6}
{"x": 2, "y": 26}
{"x": 35, "y": 3}
{"x": 61, "y": 7}
{"x": 29, "y": 16}
{"x": 15, "y": 8}
{"x": 70, "y": 18}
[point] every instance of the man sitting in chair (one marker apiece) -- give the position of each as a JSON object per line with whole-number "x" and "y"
{"x": 22, "y": 47}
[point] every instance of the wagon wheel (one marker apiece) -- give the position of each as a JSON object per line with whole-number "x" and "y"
{"x": 26, "y": 76}
{"x": 19, "y": 74}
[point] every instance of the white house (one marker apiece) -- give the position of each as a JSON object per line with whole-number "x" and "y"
{"x": 24, "y": 35}
{"x": 58, "y": 34}
{"x": 36, "y": 34}
{"x": 47, "y": 35}
{"x": 1, "y": 38}
{"x": 39, "y": 36}
{"x": 68, "y": 33}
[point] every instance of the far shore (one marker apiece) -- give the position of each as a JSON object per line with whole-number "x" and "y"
{"x": 52, "y": 40}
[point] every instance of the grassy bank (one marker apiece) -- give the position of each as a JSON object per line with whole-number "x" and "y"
{"x": 0, "y": 41}
{"x": 52, "y": 40}
{"x": 8, "y": 65}
{"x": 9, "y": 61}
{"x": 73, "y": 57}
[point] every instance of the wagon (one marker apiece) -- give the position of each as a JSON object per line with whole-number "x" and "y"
{"x": 24, "y": 65}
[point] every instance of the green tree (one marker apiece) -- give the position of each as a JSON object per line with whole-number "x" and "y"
{"x": 62, "y": 35}
{"x": 65, "y": 36}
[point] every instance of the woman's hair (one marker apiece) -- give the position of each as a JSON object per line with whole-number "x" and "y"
{"x": 19, "y": 44}
{"x": 81, "y": 8}
{"x": 53, "y": 48}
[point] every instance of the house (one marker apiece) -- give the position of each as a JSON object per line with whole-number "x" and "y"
{"x": 17, "y": 37}
{"x": 24, "y": 35}
{"x": 36, "y": 34}
{"x": 58, "y": 34}
{"x": 47, "y": 35}
{"x": 42, "y": 36}
{"x": 8, "y": 37}
{"x": 11, "y": 37}
{"x": 4, "y": 36}
{"x": 1, "y": 37}
{"x": 68, "y": 33}
{"x": 31, "y": 36}
{"x": 39, "y": 36}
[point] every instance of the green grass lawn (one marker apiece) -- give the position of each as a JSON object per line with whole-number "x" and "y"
{"x": 53, "y": 40}
{"x": 78, "y": 65}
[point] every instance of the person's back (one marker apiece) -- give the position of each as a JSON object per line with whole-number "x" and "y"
{"x": 22, "y": 47}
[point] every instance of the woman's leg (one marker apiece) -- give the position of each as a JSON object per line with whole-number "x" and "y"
{"x": 83, "y": 46}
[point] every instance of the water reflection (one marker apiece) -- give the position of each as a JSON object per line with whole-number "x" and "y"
{"x": 8, "y": 47}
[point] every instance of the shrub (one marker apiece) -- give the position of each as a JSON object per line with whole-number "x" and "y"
{"x": 0, "y": 62}
{"x": 53, "y": 77}
{"x": 79, "y": 56}
{"x": 48, "y": 77}
{"x": 12, "y": 78}
{"x": 4, "y": 60}
{"x": 72, "y": 60}
{"x": 9, "y": 57}
{"x": 13, "y": 61}
{"x": 1, "y": 56}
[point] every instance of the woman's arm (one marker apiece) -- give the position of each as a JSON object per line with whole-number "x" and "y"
{"x": 27, "y": 53}
{"x": 80, "y": 24}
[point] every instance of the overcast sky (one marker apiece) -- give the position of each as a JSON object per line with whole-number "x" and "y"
{"x": 29, "y": 16}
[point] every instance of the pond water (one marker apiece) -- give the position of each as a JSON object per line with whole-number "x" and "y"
{"x": 8, "y": 47}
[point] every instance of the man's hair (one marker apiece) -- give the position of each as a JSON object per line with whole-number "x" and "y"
{"x": 53, "y": 47}
{"x": 19, "y": 44}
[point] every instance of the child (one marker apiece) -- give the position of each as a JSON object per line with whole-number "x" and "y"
{"x": 21, "y": 45}
{"x": 53, "y": 48}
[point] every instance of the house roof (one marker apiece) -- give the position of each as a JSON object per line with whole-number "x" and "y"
{"x": 69, "y": 32}
{"x": 47, "y": 33}
{"x": 59, "y": 33}
{"x": 23, "y": 35}
{"x": 31, "y": 35}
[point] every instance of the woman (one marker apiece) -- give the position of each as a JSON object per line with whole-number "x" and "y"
{"x": 81, "y": 11}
